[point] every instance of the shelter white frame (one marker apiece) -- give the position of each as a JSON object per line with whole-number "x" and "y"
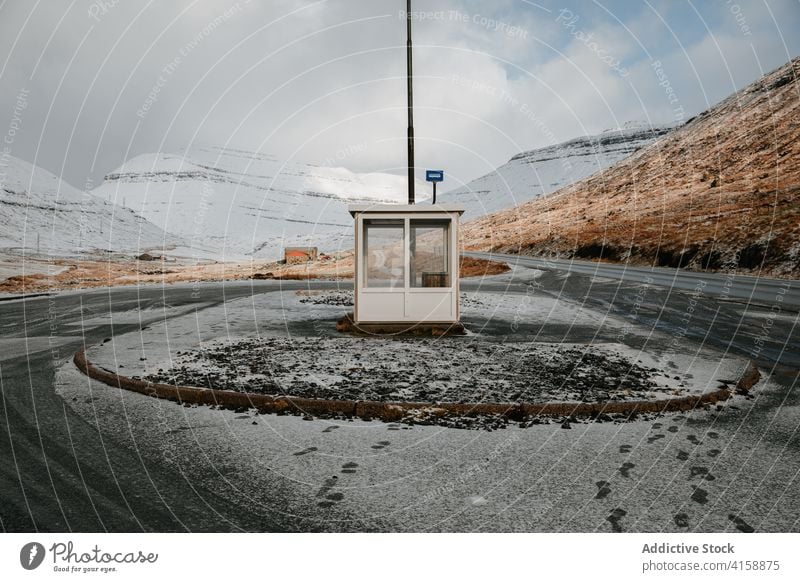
{"x": 406, "y": 303}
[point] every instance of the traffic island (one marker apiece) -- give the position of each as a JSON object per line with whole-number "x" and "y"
{"x": 456, "y": 414}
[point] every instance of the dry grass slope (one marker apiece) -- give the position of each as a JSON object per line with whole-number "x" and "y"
{"x": 116, "y": 271}
{"x": 720, "y": 193}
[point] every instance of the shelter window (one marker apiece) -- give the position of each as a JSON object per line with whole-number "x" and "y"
{"x": 430, "y": 253}
{"x": 384, "y": 244}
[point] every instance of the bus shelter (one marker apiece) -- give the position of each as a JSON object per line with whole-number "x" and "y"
{"x": 406, "y": 263}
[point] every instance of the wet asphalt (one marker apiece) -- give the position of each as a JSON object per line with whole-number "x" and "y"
{"x": 61, "y": 473}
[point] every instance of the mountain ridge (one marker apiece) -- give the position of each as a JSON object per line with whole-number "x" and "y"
{"x": 247, "y": 204}
{"x": 42, "y": 212}
{"x": 538, "y": 172}
{"x": 720, "y": 192}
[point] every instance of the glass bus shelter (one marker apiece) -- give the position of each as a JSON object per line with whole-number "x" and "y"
{"x": 406, "y": 263}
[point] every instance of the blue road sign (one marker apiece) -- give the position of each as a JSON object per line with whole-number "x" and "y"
{"x": 434, "y": 175}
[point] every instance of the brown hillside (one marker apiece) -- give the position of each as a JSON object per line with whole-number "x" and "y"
{"x": 721, "y": 192}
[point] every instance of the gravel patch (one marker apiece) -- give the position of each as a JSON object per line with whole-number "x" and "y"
{"x": 334, "y": 298}
{"x": 416, "y": 370}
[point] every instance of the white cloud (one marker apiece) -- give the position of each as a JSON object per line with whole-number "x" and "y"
{"x": 314, "y": 79}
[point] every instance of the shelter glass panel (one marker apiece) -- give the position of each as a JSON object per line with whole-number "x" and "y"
{"x": 384, "y": 253}
{"x": 430, "y": 253}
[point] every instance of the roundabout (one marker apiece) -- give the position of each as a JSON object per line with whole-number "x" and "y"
{"x": 481, "y": 380}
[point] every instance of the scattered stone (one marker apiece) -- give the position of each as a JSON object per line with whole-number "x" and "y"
{"x": 353, "y": 370}
{"x": 461, "y": 371}
{"x": 343, "y": 298}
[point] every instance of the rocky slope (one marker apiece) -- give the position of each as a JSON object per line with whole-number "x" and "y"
{"x": 719, "y": 193}
{"x": 39, "y": 210}
{"x": 537, "y": 172}
{"x": 233, "y": 204}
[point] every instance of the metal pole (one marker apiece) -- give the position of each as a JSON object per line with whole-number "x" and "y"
{"x": 434, "y": 192}
{"x": 410, "y": 108}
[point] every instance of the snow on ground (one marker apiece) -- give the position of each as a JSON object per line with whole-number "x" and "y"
{"x": 705, "y": 471}
{"x": 721, "y": 470}
{"x": 243, "y": 345}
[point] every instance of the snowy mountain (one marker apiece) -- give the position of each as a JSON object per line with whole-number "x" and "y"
{"x": 720, "y": 193}
{"x": 531, "y": 174}
{"x": 39, "y": 210}
{"x": 234, "y": 204}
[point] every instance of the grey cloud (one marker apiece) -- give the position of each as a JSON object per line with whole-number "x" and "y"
{"x": 311, "y": 80}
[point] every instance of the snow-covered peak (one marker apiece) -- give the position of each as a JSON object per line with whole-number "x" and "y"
{"x": 19, "y": 178}
{"x": 238, "y": 204}
{"x": 40, "y": 211}
{"x": 144, "y": 164}
{"x": 261, "y": 171}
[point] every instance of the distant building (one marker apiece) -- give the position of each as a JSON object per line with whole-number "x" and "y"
{"x": 296, "y": 255}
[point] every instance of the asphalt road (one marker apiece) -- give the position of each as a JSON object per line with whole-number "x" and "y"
{"x": 753, "y": 290}
{"x": 60, "y": 473}
{"x": 757, "y": 318}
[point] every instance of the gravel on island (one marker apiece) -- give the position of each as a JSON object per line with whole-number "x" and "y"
{"x": 416, "y": 370}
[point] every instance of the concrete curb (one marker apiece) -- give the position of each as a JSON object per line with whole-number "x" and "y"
{"x": 394, "y": 411}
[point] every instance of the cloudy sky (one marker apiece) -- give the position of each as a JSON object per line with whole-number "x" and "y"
{"x": 89, "y": 84}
